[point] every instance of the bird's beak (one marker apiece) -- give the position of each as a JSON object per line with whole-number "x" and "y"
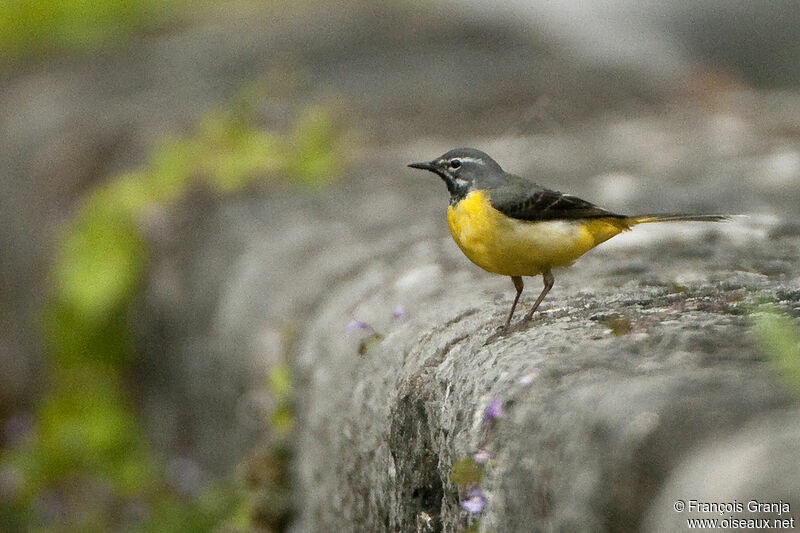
{"x": 424, "y": 166}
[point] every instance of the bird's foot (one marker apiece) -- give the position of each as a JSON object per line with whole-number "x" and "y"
{"x": 505, "y": 329}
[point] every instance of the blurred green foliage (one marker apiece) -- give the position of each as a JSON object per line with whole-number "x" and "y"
{"x": 280, "y": 385}
{"x": 207, "y": 512}
{"x": 35, "y": 28}
{"x": 779, "y": 338}
{"x": 86, "y": 433}
{"x": 268, "y": 503}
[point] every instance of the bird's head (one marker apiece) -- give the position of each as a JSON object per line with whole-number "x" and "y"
{"x": 463, "y": 170}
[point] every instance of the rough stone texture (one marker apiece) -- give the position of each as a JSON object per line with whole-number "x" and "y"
{"x": 611, "y": 429}
{"x": 223, "y": 295}
{"x": 758, "y": 464}
{"x": 605, "y": 427}
{"x": 586, "y": 446}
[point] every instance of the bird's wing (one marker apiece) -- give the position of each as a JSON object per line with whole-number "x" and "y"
{"x": 523, "y": 200}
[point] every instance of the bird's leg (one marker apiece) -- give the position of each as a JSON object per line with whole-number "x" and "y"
{"x": 548, "y": 284}
{"x": 517, "y": 285}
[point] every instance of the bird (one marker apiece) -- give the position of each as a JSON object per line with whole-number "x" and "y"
{"x": 509, "y": 225}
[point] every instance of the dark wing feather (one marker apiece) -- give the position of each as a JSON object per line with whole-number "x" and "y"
{"x": 527, "y": 201}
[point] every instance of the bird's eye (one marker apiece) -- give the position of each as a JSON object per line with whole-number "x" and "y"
{"x": 455, "y": 163}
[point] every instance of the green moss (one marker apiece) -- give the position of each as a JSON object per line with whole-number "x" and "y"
{"x": 466, "y": 472}
{"x": 369, "y": 342}
{"x": 779, "y": 338}
{"x": 619, "y": 325}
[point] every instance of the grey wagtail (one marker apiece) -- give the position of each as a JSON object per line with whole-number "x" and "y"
{"x": 511, "y": 226}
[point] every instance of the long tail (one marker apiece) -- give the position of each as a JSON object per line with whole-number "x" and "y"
{"x": 676, "y": 217}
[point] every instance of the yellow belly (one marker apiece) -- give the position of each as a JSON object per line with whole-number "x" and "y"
{"x": 513, "y": 247}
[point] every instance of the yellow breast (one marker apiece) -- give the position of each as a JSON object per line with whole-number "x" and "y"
{"x": 513, "y": 247}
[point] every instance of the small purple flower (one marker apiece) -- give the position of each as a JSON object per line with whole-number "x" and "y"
{"x": 493, "y": 410}
{"x": 357, "y": 325}
{"x": 475, "y": 502}
{"x": 481, "y": 456}
{"x": 528, "y": 378}
{"x": 399, "y": 313}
